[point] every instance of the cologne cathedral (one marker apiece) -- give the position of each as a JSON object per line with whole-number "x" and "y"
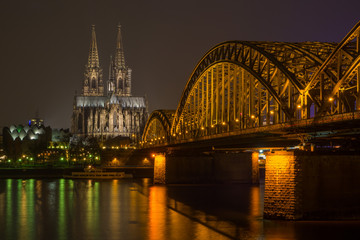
{"x": 107, "y": 110}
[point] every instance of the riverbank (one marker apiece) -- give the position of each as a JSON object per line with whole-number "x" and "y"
{"x": 27, "y": 173}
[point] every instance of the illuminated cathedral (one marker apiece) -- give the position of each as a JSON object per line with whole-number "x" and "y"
{"x": 107, "y": 110}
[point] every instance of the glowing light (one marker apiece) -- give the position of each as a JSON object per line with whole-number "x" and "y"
{"x": 159, "y": 168}
{"x": 252, "y": 116}
{"x": 299, "y": 106}
{"x": 331, "y": 99}
{"x": 212, "y": 126}
{"x": 174, "y": 135}
{"x": 271, "y": 112}
{"x": 237, "y": 120}
{"x": 223, "y": 123}
{"x": 153, "y": 155}
{"x": 202, "y": 128}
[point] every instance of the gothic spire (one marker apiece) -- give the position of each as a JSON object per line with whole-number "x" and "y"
{"x": 119, "y": 53}
{"x": 93, "y": 60}
{"x": 111, "y": 69}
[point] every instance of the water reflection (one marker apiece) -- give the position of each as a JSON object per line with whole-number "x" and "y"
{"x": 122, "y": 209}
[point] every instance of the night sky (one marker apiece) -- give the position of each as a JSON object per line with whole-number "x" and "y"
{"x": 45, "y": 44}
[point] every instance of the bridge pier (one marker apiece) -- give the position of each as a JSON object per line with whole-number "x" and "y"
{"x": 199, "y": 167}
{"x": 312, "y": 185}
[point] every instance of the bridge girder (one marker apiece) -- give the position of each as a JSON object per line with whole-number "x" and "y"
{"x": 273, "y": 78}
{"x": 339, "y": 92}
{"x": 240, "y": 84}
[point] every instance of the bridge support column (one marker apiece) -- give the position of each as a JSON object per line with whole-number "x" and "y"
{"x": 312, "y": 185}
{"x": 160, "y": 169}
{"x": 197, "y": 167}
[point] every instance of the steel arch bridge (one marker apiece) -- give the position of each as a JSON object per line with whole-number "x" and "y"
{"x": 157, "y": 130}
{"x": 241, "y": 85}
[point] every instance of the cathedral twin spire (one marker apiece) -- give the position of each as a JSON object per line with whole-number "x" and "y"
{"x": 93, "y": 60}
{"x": 119, "y": 74}
{"x": 119, "y": 54}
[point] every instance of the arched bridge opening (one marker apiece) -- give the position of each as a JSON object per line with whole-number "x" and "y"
{"x": 157, "y": 128}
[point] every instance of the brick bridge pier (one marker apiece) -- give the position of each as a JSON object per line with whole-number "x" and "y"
{"x": 298, "y": 184}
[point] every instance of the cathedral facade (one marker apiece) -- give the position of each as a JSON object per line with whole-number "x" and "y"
{"x": 107, "y": 109}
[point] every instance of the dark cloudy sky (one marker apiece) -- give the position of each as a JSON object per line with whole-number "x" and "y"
{"x": 44, "y": 44}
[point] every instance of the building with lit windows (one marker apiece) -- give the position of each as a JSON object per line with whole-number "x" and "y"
{"x": 34, "y": 144}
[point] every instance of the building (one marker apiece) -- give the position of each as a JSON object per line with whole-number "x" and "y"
{"x": 34, "y": 144}
{"x": 23, "y": 142}
{"x": 108, "y": 110}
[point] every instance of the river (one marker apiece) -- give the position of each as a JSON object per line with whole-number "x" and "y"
{"x": 63, "y": 209}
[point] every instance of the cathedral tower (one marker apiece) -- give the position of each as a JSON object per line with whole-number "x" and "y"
{"x": 93, "y": 83}
{"x": 120, "y": 74}
{"x": 116, "y": 114}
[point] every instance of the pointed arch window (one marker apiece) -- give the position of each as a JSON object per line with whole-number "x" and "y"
{"x": 120, "y": 84}
{"x": 93, "y": 83}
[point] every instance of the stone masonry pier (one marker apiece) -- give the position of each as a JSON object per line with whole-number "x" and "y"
{"x": 210, "y": 167}
{"x": 312, "y": 185}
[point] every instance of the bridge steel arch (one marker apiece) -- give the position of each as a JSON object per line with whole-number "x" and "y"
{"x": 339, "y": 92}
{"x": 157, "y": 128}
{"x": 238, "y": 85}
{"x": 246, "y": 84}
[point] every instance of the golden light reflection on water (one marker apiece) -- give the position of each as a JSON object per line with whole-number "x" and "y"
{"x": 171, "y": 219}
{"x": 157, "y": 212}
{"x": 255, "y": 209}
{"x": 112, "y": 210}
{"x": 92, "y": 206}
{"x": 115, "y": 207}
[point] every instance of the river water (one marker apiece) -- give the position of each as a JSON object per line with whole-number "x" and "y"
{"x": 135, "y": 209}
